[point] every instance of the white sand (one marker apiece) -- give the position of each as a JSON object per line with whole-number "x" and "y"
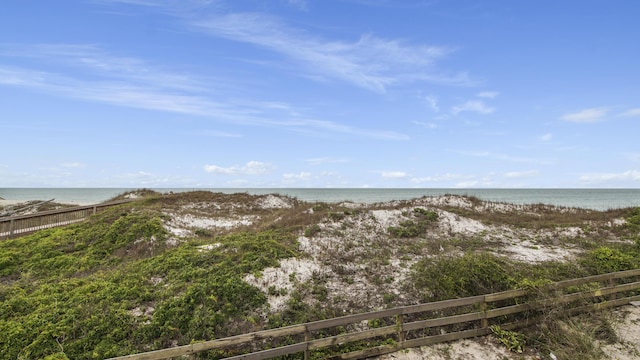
{"x": 291, "y": 271}
{"x": 4, "y": 202}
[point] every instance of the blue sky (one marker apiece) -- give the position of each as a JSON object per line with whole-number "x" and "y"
{"x": 320, "y": 93}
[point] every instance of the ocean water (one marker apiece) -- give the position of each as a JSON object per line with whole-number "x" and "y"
{"x": 597, "y": 199}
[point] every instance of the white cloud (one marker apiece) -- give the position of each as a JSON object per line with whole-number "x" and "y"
{"x": 442, "y": 178}
{"x": 476, "y": 106}
{"x": 300, "y": 176}
{"x": 76, "y": 165}
{"x": 467, "y": 184}
{"x": 216, "y": 133}
{"x": 326, "y": 160}
{"x": 369, "y": 62}
{"x": 250, "y": 168}
{"x": 133, "y": 83}
{"x": 520, "y": 174}
{"x": 299, "y": 4}
{"x": 475, "y": 153}
{"x": 426, "y": 124}
{"x": 432, "y": 101}
{"x": 147, "y": 179}
{"x": 506, "y": 157}
{"x": 134, "y": 2}
{"x": 587, "y": 115}
{"x": 631, "y": 113}
{"x": 594, "y": 178}
{"x": 394, "y": 174}
{"x": 488, "y": 94}
{"x": 546, "y": 137}
{"x": 635, "y": 157}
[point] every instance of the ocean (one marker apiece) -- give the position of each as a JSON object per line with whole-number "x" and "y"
{"x": 596, "y": 199}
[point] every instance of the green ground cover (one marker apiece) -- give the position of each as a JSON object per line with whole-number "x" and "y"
{"x": 120, "y": 282}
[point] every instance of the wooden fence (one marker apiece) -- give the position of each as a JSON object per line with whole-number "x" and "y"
{"x": 386, "y": 331}
{"x": 14, "y": 226}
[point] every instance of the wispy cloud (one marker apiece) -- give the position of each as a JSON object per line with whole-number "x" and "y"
{"x": 432, "y": 102}
{"x": 94, "y": 63}
{"x": 448, "y": 177}
{"x": 546, "y": 137}
{"x": 520, "y": 174}
{"x": 216, "y": 133}
{"x": 600, "y": 178}
{"x": 509, "y": 158}
{"x": 631, "y": 113}
{"x": 326, "y": 160}
{"x": 393, "y": 174}
{"x": 369, "y": 62}
{"x": 394, "y": 3}
{"x": 299, "y": 176}
{"x": 130, "y": 82}
{"x": 587, "y": 115}
{"x": 634, "y": 157}
{"x": 427, "y": 125}
{"x": 476, "y": 106}
{"x": 488, "y": 94}
{"x": 250, "y": 168}
{"x": 154, "y": 3}
{"x": 299, "y": 4}
{"x": 76, "y": 165}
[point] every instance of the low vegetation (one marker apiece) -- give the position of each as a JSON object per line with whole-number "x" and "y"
{"x": 172, "y": 269}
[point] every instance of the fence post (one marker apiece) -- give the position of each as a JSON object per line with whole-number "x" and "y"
{"x": 399, "y": 327}
{"x": 611, "y": 283}
{"x": 307, "y": 338}
{"x": 11, "y": 229}
{"x": 483, "y": 307}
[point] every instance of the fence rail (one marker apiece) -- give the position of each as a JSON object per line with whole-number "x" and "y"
{"x": 14, "y": 226}
{"x": 424, "y": 324}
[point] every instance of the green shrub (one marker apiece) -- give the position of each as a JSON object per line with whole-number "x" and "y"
{"x": 336, "y": 216}
{"x": 410, "y": 228}
{"x": 84, "y": 288}
{"x": 454, "y": 277}
{"x": 605, "y": 260}
{"x": 312, "y": 230}
{"x": 514, "y": 341}
{"x": 634, "y": 219}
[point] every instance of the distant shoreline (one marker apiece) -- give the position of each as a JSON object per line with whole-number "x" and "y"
{"x": 594, "y": 199}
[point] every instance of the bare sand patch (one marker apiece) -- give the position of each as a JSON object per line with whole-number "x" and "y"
{"x": 527, "y": 251}
{"x": 274, "y": 202}
{"x": 627, "y": 328}
{"x": 457, "y": 224}
{"x": 277, "y": 282}
{"x": 190, "y": 221}
{"x": 475, "y": 349}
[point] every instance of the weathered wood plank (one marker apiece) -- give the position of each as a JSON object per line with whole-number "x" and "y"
{"x": 345, "y": 338}
{"x": 350, "y": 319}
{"x": 445, "y": 304}
{"x": 373, "y": 351}
{"x": 271, "y": 353}
{"x": 507, "y": 310}
{"x": 455, "y": 319}
{"x": 429, "y": 340}
{"x": 216, "y": 344}
{"x": 505, "y": 295}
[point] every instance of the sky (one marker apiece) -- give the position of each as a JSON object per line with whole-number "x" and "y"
{"x": 320, "y": 93}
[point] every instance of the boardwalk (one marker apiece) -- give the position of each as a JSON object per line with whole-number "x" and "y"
{"x": 15, "y": 226}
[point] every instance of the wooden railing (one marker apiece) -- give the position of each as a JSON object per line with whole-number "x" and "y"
{"x": 424, "y": 324}
{"x": 14, "y": 226}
